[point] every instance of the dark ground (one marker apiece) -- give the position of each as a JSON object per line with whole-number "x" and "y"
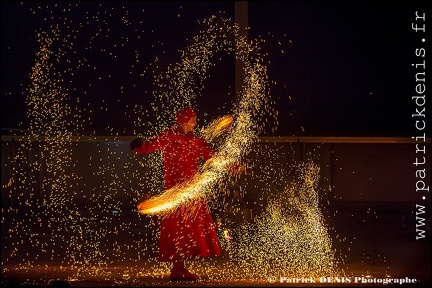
{"x": 379, "y": 242}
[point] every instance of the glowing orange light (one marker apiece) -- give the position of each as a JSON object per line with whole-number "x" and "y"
{"x": 217, "y": 127}
{"x": 223, "y": 122}
{"x": 191, "y": 189}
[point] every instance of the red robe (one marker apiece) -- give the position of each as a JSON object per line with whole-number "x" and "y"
{"x": 182, "y": 238}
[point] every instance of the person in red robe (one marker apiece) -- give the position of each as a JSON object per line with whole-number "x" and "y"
{"x": 182, "y": 238}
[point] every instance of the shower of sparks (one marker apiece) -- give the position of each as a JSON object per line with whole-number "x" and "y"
{"x": 69, "y": 225}
{"x": 289, "y": 239}
{"x": 194, "y": 64}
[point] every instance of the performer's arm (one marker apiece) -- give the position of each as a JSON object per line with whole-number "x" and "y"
{"x": 207, "y": 153}
{"x": 145, "y": 147}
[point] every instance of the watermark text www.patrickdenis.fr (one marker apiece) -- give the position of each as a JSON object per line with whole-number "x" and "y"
{"x": 419, "y": 117}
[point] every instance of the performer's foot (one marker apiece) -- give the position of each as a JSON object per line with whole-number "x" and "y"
{"x": 182, "y": 274}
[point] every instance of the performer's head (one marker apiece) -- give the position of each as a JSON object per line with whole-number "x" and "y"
{"x": 186, "y": 118}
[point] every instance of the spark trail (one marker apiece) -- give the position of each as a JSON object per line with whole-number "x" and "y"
{"x": 246, "y": 123}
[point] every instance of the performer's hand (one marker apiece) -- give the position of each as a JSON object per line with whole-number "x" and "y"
{"x": 136, "y": 143}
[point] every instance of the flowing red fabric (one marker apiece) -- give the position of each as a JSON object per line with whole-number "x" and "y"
{"x": 183, "y": 237}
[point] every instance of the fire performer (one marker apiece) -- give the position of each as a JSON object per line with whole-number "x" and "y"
{"x": 182, "y": 238}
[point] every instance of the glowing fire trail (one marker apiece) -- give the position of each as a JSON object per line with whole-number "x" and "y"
{"x": 185, "y": 191}
{"x": 240, "y": 138}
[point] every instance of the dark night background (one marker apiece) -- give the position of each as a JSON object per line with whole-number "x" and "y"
{"x": 345, "y": 65}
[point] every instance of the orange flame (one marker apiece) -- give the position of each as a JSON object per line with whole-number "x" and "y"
{"x": 217, "y": 127}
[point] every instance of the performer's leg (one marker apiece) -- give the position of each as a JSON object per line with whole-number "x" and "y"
{"x": 178, "y": 264}
{"x": 180, "y": 273}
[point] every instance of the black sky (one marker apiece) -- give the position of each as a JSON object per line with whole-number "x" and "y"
{"x": 345, "y": 69}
